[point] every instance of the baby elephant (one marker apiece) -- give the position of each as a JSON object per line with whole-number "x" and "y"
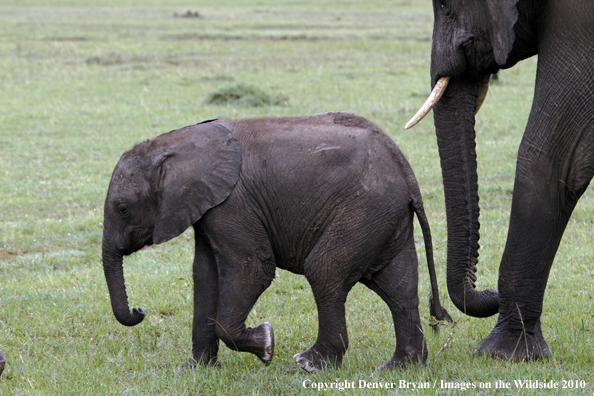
{"x": 329, "y": 196}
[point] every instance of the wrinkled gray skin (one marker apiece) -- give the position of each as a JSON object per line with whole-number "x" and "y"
{"x": 471, "y": 40}
{"x": 329, "y": 196}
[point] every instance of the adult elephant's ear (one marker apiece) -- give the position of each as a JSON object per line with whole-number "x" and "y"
{"x": 503, "y": 15}
{"x": 197, "y": 168}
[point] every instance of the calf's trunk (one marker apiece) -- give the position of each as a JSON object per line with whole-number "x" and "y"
{"x": 114, "y": 275}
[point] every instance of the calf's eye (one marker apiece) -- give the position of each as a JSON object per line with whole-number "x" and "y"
{"x": 122, "y": 210}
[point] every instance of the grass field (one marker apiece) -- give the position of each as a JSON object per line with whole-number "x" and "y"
{"x": 81, "y": 81}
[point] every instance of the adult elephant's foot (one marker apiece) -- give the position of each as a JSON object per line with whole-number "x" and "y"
{"x": 516, "y": 345}
{"x": 314, "y": 361}
{"x": 192, "y": 363}
{"x": 404, "y": 359}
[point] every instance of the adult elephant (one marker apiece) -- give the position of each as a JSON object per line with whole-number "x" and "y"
{"x": 472, "y": 40}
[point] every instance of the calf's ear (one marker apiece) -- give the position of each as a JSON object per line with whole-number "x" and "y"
{"x": 197, "y": 168}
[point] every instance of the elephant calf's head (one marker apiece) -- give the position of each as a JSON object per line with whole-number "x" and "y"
{"x": 159, "y": 189}
{"x": 131, "y": 206}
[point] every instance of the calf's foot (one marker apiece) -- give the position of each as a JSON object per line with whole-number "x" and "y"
{"x": 258, "y": 340}
{"x": 263, "y": 337}
{"x": 314, "y": 361}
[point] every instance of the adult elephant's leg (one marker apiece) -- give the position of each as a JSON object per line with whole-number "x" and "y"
{"x": 555, "y": 166}
{"x": 397, "y": 284}
{"x": 545, "y": 193}
{"x": 536, "y": 227}
{"x": 205, "y": 342}
{"x": 2, "y": 363}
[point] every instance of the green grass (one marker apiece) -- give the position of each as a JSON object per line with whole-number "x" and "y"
{"x": 83, "y": 81}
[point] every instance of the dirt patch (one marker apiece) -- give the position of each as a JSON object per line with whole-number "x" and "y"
{"x": 188, "y": 14}
{"x": 248, "y": 37}
{"x": 9, "y": 253}
{"x": 113, "y": 59}
{"x": 244, "y": 95}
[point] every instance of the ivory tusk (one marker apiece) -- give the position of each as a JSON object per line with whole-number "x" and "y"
{"x": 432, "y": 100}
{"x": 482, "y": 93}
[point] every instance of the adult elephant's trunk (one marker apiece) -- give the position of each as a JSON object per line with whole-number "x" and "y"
{"x": 114, "y": 275}
{"x": 454, "y": 123}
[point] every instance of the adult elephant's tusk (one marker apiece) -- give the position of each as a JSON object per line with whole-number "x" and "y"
{"x": 432, "y": 100}
{"x": 482, "y": 93}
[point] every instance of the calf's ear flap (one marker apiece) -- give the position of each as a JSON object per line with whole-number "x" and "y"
{"x": 503, "y": 15}
{"x": 197, "y": 169}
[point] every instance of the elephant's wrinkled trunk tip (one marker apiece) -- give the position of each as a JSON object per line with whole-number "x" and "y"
{"x": 128, "y": 319}
{"x": 431, "y": 101}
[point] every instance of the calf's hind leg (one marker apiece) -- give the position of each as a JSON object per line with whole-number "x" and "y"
{"x": 332, "y": 342}
{"x": 327, "y": 271}
{"x": 397, "y": 285}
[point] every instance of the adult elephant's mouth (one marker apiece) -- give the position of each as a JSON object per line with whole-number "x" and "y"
{"x": 438, "y": 90}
